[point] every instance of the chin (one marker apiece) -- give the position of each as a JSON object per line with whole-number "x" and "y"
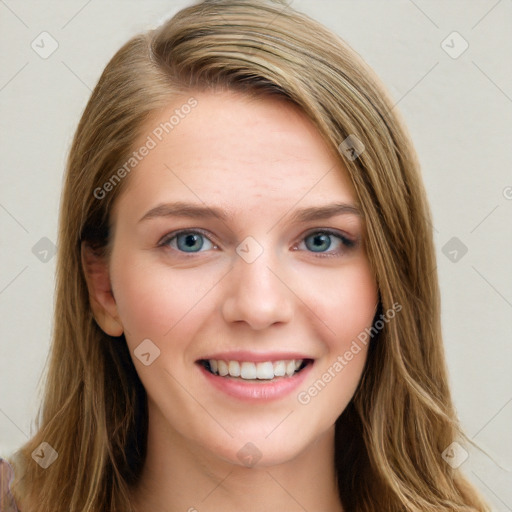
{"x": 258, "y": 451}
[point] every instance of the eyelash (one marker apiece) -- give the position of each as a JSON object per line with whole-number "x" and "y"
{"x": 347, "y": 243}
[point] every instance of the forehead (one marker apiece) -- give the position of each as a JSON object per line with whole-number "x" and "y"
{"x": 236, "y": 151}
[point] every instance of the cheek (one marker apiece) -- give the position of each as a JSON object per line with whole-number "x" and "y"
{"x": 345, "y": 302}
{"x": 153, "y": 302}
{"x": 346, "y": 309}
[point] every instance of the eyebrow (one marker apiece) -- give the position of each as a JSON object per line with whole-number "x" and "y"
{"x": 196, "y": 211}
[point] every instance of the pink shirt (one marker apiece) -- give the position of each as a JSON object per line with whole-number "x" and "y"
{"x": 7, "y": 503}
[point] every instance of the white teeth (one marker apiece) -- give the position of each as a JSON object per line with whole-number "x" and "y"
{"x": 234, "y": 368}
{"x": 223, "y": 368}
{"x": 279, "y": 368}
{"x": 266, "y": 370}
{"x": 248, "y": 371}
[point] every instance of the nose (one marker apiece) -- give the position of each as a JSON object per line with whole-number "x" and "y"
{"x": 258, "y": 294}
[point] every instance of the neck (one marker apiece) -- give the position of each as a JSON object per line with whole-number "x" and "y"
{"x": 178, "y": 477}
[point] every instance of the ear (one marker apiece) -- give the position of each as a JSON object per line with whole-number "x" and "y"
{"x": 101, "y": 298}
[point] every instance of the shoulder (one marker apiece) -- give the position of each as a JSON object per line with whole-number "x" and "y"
{"x": 7, "y": 503}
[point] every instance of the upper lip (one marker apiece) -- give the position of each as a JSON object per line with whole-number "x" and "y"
{"x": 255, "y": 357}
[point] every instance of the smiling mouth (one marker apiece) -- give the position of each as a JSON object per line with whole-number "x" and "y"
{"x": 250, "y": 371}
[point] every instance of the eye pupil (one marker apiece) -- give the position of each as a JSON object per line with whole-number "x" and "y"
{"x": 321, "y": 242}
{"x": 190, "y": 242}
{"x": 318, "y": 242}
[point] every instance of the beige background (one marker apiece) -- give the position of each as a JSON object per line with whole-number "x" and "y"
{"x": 459, "y": 112}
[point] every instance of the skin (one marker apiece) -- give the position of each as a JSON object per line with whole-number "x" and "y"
{"x": 259, "y": 160}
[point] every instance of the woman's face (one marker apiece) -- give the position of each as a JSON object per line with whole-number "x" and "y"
{"x": 238, "y": 247}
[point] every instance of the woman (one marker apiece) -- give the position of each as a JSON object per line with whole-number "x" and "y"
{"x": 247, "y": 312}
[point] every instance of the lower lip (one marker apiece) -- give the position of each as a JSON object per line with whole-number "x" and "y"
{"x": 263, "y": 391}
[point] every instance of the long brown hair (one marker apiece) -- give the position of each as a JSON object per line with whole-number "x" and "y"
{"x": 390, "y": 438}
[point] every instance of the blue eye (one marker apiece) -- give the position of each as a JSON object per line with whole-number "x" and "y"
{"x": 188, "y": 241}
{"x": 321, "y": 241}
